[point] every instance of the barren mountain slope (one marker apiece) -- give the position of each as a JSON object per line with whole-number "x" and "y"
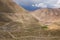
{"x": 13, "y": 17}
{"x": 18, "y": 24}
{"x": 10, "y": 6}
{"x": 10, "y": 11}
{"x": 15, "y": 21}
{"x": 47, "y": 16}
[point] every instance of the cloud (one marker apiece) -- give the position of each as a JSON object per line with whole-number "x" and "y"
{"x": 47, "y": 3}
{"x": 42, "y": 5}
{"x": 58, "y": 2}
{"x": 57, "y": 5}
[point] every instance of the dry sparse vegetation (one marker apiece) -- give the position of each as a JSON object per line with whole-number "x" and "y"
{"x": 18, "y": 24}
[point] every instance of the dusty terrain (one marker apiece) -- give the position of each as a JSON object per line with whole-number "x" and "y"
{"x": 18, "y": 24}
{"x": 48, "y": 17}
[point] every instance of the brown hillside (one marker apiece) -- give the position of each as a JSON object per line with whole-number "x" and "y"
{"x": 10, "y": 6}
{"x": 47, "y": 15}
{"x": 50, "y": 17}
{"x": 18, "y": 24}
{"x": 9, "y": 10}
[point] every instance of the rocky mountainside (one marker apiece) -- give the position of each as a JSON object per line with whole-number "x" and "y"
{"x": 10, "y": 6}
{"x": 9, "y": 11}
{"x": 18, "y": 24}
{"x": 47, "y": 15}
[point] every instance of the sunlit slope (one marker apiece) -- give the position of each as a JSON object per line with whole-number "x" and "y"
{"x": 47, "y": 16}
{"x": 18, "y": 24}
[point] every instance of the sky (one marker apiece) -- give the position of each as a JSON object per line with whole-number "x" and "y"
{"x": 36, "y": 4}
